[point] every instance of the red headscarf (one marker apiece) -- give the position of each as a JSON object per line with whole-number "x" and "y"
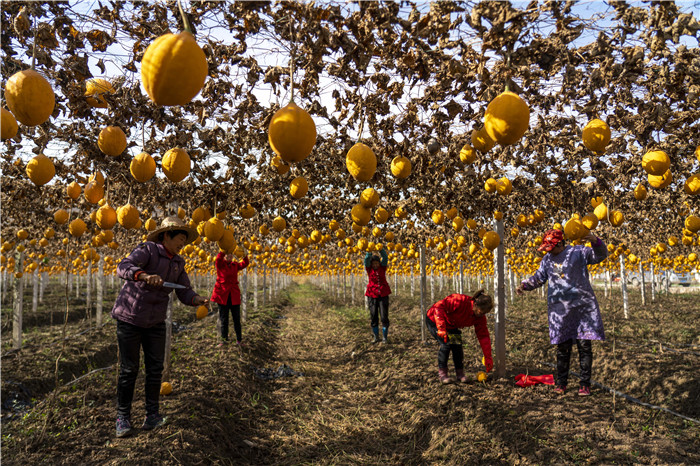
{"x": 551, "y": 239}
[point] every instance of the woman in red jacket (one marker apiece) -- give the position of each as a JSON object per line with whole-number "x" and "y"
{"x": 227, "y": 294}
{"x": 377, "y": 293}
{"x": 447, "y": 317}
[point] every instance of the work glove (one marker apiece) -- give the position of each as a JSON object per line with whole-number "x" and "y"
{"x": 488, "y": 362}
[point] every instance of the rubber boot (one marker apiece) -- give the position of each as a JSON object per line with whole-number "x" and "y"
{"x": 385, "y": 331}
{"x": 375, "y": 334}
{"x": 460, "y": 375}
{"x": 444, "y": 378}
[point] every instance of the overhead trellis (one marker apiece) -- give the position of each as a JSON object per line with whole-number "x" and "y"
{"x": 416, "y": 77}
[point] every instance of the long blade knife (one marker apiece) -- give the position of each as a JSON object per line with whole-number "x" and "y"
{"x": 174, "y": 285}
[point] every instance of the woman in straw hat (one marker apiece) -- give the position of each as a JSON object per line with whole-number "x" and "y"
{"x": 140, "y": 311}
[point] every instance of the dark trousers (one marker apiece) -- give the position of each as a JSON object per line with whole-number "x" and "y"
{"x": 585, "y": 356}
{"x": 130, "y": 339}
{"x": 377, "y": 307}
{"x": 445, "y": 348}
{"x": 223, "y": 319}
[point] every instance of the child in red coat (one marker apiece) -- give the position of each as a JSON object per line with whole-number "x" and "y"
{"x": 227, "y": 294}
{"x": 447, "y": 317}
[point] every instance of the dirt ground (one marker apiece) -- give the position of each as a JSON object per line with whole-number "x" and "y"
{"x": 358, "y": 403}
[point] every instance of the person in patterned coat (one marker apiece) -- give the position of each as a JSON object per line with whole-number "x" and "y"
{"x": 377, "y": 293}
{"x": 574, "y": 314}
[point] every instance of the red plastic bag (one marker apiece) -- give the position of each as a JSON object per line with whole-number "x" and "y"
{"x": 523, "y": 380}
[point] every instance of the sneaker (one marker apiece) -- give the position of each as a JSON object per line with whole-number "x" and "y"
{"x": 584, "y": 391}
{"x": 560, "y": 389}
{"x": 123, "y": 427}
{"x": 152, "y": 421}
{"x": 444, "y": 378}
{"x": 385, "y": 340}
{"x": 375, "y": 338}
{"x": 460, "y": 376}
{"x": 240, "y": 343}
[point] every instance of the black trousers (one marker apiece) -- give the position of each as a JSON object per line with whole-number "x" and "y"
{"x": 377, "y": 307}
{"x": 585, "y": 357}
{"x": 223, "y": 319}
{"x": 445, "y": 348}
{"x": 130, "y": 339}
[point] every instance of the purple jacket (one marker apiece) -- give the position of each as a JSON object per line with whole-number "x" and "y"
{"x": 144, "y": 305}
{"x": 572, "y": 307}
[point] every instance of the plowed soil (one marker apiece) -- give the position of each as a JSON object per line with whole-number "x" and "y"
{"x": 359, "y": 403}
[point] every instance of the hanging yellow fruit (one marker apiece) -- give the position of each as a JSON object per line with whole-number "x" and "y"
{"x": 381, "y": 215}
{"x": 361, "y": 162}
{"x": 491, "y": 240}
{"x": 292, "y": 133}
{"x": 112, "y": 141}
{"x": 94, "y": 192}
{"x": 106, "y": 217}
{"x": 504, "y": 186}
{"x": 247, "y": 211}
{"x": 596, "y": 135}
{"x": 142, "y": 167}
{"x": 8, "y": 125}
{"x": 507, "y": 118}
{"x": 298, "y": 187}
{"x": 640, "y": 192}
{"x": 40, "y": 170}
{"x": 29, "y": 97}
{"x": 401, "y": 167}
{"x": 279, "y": 224}
{"x": 656, "y": 162}
{"x": 692, "y": 185}
{"x": 360, "y": 215}
{"x": 213, "y": 229}
{"x": 128, "y": 216}
{"x": 60, "y": 216}
{"x": 481, "y": 140}
{"x": 77, "y": 227}
{"x": 467, "y": 155}
{"x": 176, "y": 164}
{"x": 660, "y": 182}
{"x": 369, "y": 198}
{"x": 94, "y": 92}
{"x": 438, "y": 217}
{"x": 173, "y": 69}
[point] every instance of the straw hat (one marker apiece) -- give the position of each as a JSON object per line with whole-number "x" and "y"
{"x": 170, "y": 224}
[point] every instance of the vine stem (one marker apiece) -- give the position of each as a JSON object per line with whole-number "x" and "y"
{"x": 291, "y": 61}
{"x": 34, "y": 45}
{"x": 185, "y": 21}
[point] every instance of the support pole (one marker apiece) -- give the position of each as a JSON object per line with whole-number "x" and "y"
{"x": 35, "y": 290}
{"x": 255, "y": 290}
{"x": 461, "y": 277}
{"x": 642, "y": 284}
{"x": 244, "y": 295}
{"x": 100, "y": 285}
{"x": 88, "y": 291}
{"x": 423, "y": 291}
{"x": 623, "y": 285}
{"x": 18, "y": 304}
{"x": 667, "y": 281}
{"x": 653, "y": 283}
{"x": 500, "y": 305}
